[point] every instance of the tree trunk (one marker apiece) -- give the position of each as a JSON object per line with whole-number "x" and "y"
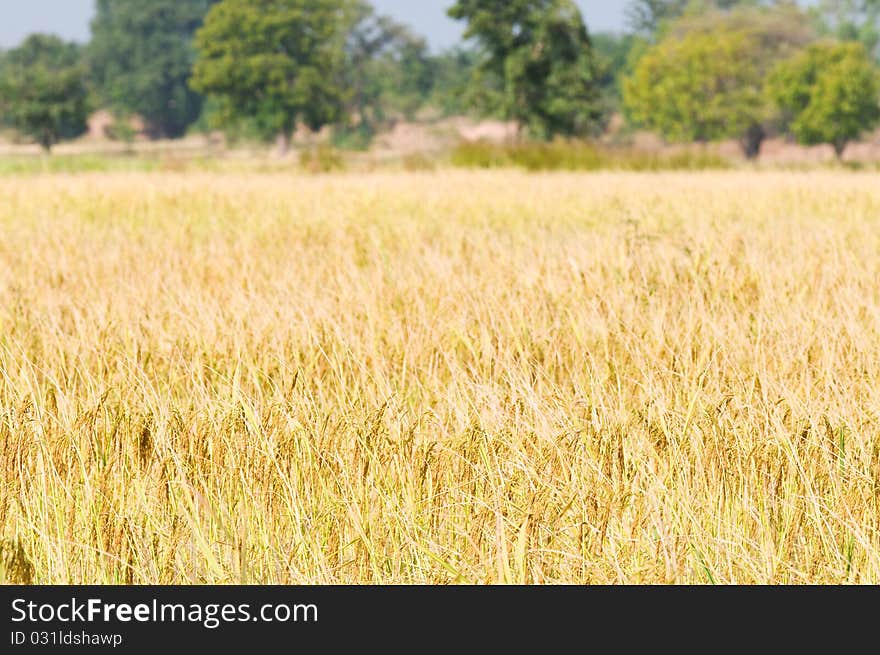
{"x": 282, "y": 144}
{"x": 751, "y": 142}
{"x": 46, "y": 140}
{"x": 840, "y": 148}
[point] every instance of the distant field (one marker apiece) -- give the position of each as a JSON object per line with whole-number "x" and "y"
{"x": 440, "y": 377}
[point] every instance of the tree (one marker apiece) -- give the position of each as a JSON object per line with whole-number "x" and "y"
{"x": 705, "y": 80}
{"x": 539, "y": 64}
{"x": 387, "y": 69}
{"x": 43, "y": 91}
{"x": 274, "y": 63}
{"x": 412, "y": 72}
{"x": 779, "y": 30}
{"x": 141, "y": 57}
{"x": 645, "y": 17}
{"x": 453, "y": 72}
{"x": 649, "y": 18}
{"x": 851, "y": 20}
{"x": 615, "y": 54}
{"x": 828, "y": 94}
{"x": 699, "y": 88}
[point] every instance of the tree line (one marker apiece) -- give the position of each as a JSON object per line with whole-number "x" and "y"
{"x": 690, "y": 70}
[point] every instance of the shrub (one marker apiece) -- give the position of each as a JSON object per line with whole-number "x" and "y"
{"x": 321, "y": 159}
{"x": 578, "y": 156}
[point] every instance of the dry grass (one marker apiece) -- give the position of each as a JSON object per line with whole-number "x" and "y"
{"x": 479, "y": 377}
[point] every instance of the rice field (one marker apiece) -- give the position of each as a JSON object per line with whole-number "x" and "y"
{"x": 440, "y": 377}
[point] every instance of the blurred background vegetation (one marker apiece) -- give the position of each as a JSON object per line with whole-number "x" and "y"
{"x": 328, "y": 75}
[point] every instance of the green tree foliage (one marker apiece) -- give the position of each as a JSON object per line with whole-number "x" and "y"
{"x": 828, "y": 94}
{"x": 778, "y": 30}
{"x": 387, "y": 71}
{"x": 616, "y": 55}
{"x": 274, "y": 63}
{"x": 141, "y": 57}
{"x": 705, "y": 80}
{"x": 851, "y": 20}
{"x": 649, "y": 18}
{"x": 645, "y": 17}
{"x": 699, "y": 88}
{"x": 451, "y": 87}
{"x": 43, "y": 90}
{"x": 411, "y": 71}
{"x": 539, "y": 68}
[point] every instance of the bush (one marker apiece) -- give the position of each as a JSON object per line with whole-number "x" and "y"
{"x": 418, "y": 162}
{"x": 578, "y": 156}
{"x": 321, "y": 159}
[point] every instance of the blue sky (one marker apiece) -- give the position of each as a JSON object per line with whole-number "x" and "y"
{"x": 70, "y": 18}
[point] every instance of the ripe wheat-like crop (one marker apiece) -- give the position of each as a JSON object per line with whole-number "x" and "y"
{"x": 440, "y": 377}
